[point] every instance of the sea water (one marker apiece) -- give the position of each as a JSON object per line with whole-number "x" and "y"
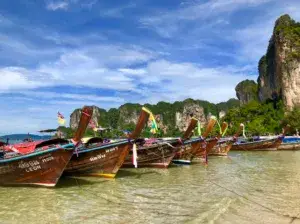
{"x": 245, "y": 187}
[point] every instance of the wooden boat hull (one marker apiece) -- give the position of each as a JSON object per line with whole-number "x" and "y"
{"x": 184, "y": 156}
{"x": 221, "y": 149}
{"x": 264, "y": 145}
{"x": 186, "y": 153}
{"x": 206, "y": 147}
{"x": 156, "y": 156}
{"x": 102, "y": 161}
{"x": 289, "y": 146}
{"x": 42, "y": 168}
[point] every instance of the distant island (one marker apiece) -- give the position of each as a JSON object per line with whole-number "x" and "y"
{"x": 20, "y": 137}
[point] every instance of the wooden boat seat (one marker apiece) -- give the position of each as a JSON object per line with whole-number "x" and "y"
{"x": 96, "y": 141}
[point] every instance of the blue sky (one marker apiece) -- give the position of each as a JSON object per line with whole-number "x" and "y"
{"x": 58, "y": 55}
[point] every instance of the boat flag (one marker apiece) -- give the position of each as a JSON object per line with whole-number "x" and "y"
{"x": 134, "y": 155}
{"x": 60, "y": 119}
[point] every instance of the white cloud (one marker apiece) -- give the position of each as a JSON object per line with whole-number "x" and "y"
{"x": 116, "y": 12}
{"x": 77, "y": 97}
{"x": 91, "y": 66}
{"x": 18, "y": 78}
{"x": 132, "y": 71}
{"x": 186, "y": 80}
{"x": 254, "y": 39}
{"x": 58, "y": 5}
{"x": 167, "y": 24}
{"x": 169, "y": 81}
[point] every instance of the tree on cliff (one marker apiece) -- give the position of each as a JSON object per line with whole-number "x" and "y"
{"x": 246, "y": 91}
{"x": 292, "y": 119}
{"x": 259, "y": 119}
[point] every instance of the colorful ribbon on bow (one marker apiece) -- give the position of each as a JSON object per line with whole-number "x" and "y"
{"x": 199, "y": 128}
{"x": 134, "y": 155}
{"x": 244, "y": 135}
{"x": 220, "y": 128}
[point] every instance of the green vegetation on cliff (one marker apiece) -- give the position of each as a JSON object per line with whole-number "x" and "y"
{"x": 168, "y": 112}
{"x": 263, "y": 118}
{"x": 287, "y": 30}
{"x": 246, "y": 91}
{"x": 259, "y": 119}
{"x": 125, "y": 116}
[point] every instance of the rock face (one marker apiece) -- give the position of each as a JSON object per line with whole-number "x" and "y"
{"x": 246, "y": 91}
{"x": 190, "y": 110}
{"x": 279, "y": 69}
{"x": 75, "y": 117}
{"x": 129, "y": 114}
{"x": 169, "y": 117}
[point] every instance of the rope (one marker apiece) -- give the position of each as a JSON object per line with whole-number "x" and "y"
{"x": 163, "y": 153}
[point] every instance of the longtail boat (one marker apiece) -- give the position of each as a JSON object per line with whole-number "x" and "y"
{"x": 260, "y": 145}
{"x": 39, "y": 163}
{"x": 157, "y": 153}
{"x": 223, "y": 146}
{"x": 190, "y": 146}
{"x": 209, "y": 144}
{"x": 104, "y": 159}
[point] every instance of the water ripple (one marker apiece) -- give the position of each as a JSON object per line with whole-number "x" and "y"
{"x": 247, "y": 187}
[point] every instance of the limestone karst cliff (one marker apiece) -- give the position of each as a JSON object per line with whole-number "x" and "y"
{"x": 169, "y": 116}
{"x": 246, "y": 91}
{"x": 75, "y": 117}
{"x": 279, "y": 69}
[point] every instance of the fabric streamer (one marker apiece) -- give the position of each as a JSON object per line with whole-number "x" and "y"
{"x": 244, "y": 135}
{"x": 199, "y": 128}
{"x": 220, "y": 128}
{"x": 154, "y": 127}
{"x": 60, "y": 119}
{"x": 224, "y": 132}
{"x": 134, "y": 155}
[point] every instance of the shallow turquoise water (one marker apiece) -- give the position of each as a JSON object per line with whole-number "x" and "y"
{"x": 246, "y": 187}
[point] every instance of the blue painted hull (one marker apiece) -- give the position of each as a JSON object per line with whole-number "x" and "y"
{"x": 181, "y": 162}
